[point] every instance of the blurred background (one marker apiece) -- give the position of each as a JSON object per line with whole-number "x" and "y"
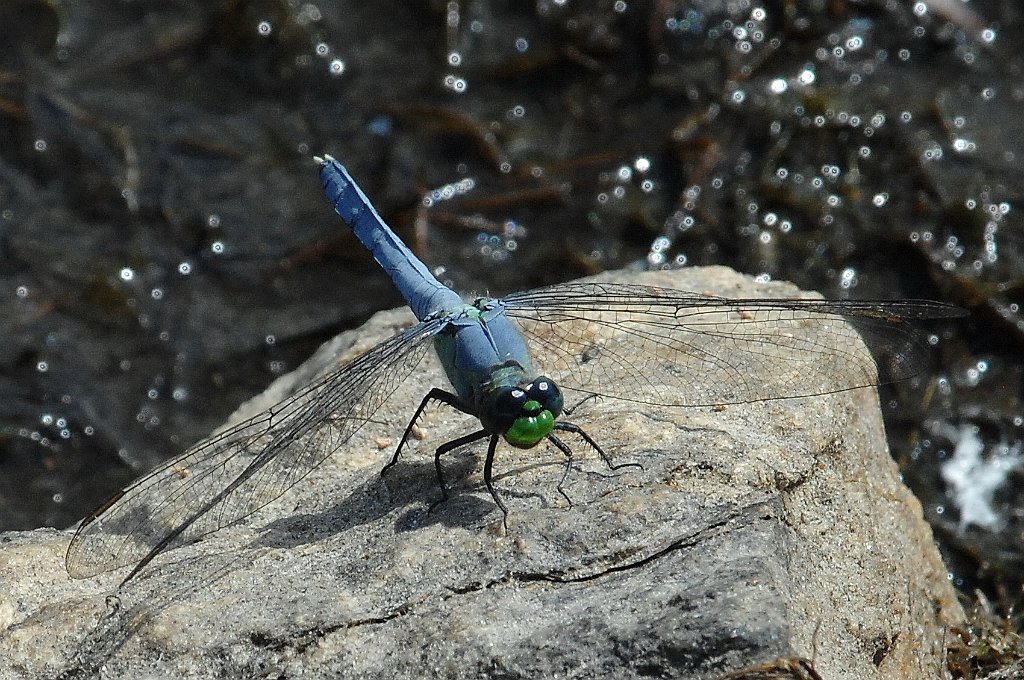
{"x": 165, "y": 250}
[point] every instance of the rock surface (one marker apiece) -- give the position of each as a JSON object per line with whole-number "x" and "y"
{"x": 753, "y": 535}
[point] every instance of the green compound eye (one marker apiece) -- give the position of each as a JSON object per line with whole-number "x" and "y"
{"x": 527, "y": 431}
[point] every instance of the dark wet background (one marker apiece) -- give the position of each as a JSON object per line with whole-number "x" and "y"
{"x": 165, "y": 250}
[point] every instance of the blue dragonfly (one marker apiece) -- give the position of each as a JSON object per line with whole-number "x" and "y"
{"x": 641, "y": 344}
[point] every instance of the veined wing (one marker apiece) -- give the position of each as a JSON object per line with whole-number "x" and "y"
{"x": 675, "y": 348}
{"x": 236, "y": 472}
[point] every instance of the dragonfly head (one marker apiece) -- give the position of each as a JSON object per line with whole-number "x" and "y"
{"x": 523, "y": 415}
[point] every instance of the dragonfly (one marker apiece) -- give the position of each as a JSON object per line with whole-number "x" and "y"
{"x": 513, "y": 363}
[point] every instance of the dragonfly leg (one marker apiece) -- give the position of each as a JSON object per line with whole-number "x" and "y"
{"x": 576, "y": 429}
{"x": 568, "y": 410}
{"x": 488, "y": 466}
{"x": 436, "y": 394}
{"x": 564, "y": 448}
{"x": 445, "y": 448}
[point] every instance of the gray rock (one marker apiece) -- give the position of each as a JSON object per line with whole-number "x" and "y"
{"x": 752, "y": 535}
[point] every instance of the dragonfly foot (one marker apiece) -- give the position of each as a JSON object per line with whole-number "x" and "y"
{"x": 619, "y": 466}
{"x": 391, "y": 463}
{"x": 564, "y": 495}
{"x": 436, "y": 504}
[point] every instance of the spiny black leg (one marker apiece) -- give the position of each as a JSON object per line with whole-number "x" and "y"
{"x": 576, "y": 429}
{"x": 564, "y": 448}
{"x": 568, "y": 410}
{"x": 488, "y": 465}
{"x": 436, "y": 394}
{"x": 445, "y": 448}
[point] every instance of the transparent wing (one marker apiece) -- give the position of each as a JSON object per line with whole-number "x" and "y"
{"x": 236, "y": 472}
{"x": 674, "y": 348}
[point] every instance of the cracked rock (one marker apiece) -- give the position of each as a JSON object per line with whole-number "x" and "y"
{"x": 772, "y": 539}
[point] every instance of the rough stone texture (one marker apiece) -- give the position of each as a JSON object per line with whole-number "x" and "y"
{"x": 753, "y": 535}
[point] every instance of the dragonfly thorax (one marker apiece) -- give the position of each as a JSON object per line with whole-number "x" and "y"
{"x": 523, "y": 414}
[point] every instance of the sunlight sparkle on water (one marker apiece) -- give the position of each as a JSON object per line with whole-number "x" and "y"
{"x": 449, "y": 191}
{"x": 454, "y": 83}
{"x": 848, "y": 278}
{"x": 974, "y": 478}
